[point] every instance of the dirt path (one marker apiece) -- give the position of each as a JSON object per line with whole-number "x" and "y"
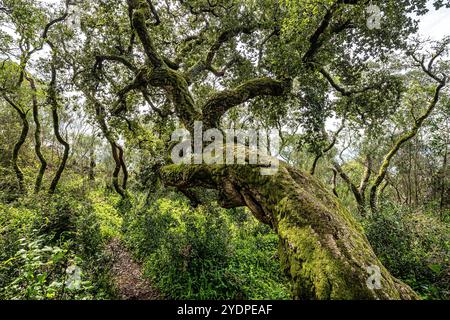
{"x": 127, "y": 275}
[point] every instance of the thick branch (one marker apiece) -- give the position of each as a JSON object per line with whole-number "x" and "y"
{"x": 315, "y": 40}
{"x": 321, "y": 246}
{"x": 325, "y": 28}
{"x": 138, "y": 10}
{"x": 160, "y": 75}
{"x": 154, "y": 13}
{"x": 123, "y": 60}
{"x": 221, "y": 102}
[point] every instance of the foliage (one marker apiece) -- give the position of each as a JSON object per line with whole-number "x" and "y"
{"x": 43, "y": 242}
{"x": 415, "y": 246}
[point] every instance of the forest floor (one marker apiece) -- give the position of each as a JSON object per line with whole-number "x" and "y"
{"x": 127, "y": 275}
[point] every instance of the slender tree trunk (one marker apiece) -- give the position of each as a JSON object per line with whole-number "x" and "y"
{"x": 443, "y": 179}
{"x": 383, "y": 188}
{"x": 409, "y": 183}
{"x": 416, "y": 174}
{"x": 366, "y": 177}
{"x": 335, "y": 173}
{"x": 315, "y": 162}
{"x": 37, "y": 137}
{"x": 360, "y": 198}
{"x": 23, "y": 136}
{"x": 116, "y": 151}
{"x": 118, "y": 164}
{"x": 92, "y": 165}
{"x": 399, "y": 196}
{"x": 123, "y": 167}
{"x": 65, "y": 156}
{"x": 330, "y": 146}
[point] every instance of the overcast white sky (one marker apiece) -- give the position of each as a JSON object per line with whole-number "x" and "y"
{"x": 435, "y": 24}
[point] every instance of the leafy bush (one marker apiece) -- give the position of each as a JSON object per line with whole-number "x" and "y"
{"x": 44, "y": 242}
{"x": 204, "y": 254}
{"x": 414, "y": 246}
{"x": 43, "y": 272}
{"x": 109, "y": 219}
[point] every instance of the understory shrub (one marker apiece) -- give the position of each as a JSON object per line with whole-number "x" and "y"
{"x": 51, "y": 248}
{"x": 414, "y": 245}
{"x": 205, "y": 253}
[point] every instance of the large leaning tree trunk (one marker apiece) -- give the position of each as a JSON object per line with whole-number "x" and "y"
{"x": 322, "y": 247}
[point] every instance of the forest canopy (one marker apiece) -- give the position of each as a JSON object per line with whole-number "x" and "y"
{"x": 226, "y": 149}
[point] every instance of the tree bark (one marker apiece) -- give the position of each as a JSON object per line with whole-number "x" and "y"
{"x": 322, "y": 247}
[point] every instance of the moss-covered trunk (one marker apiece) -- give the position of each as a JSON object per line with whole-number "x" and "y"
{"x": 322, "y": 247}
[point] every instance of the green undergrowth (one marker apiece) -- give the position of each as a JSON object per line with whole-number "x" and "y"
{"x": 53, "y": 247}
{"x": 414, "y": 245}
{"x": 207, "y": 252}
